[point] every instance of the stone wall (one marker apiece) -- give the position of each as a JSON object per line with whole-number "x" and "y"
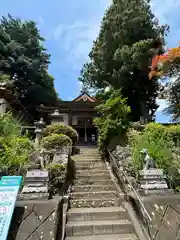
{"x": 165, "y": 216}
{"x": 124, "y": 161}
{"x": 35, "y": 220}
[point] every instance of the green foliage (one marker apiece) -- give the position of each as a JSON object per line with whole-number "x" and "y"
{"x": 113, "y": 120}
{"x": 160, "y": 141}
{"x": 25, "y": 60}
{"x": 9, "y": 125}
{"x": 57, "y": 174}
{"x": 160, "y": 150}
{"x": 166, "y": 132}
{"x": 120, "y": 56}
{"x": 4, "y": 78}
{"x": 174, "y": 132}
{"x": 15, "y": 151}
{"x": 132, "y": 135}
{"x": 55, "y": 140}
{"x": 15, "y": 148}
{"x": 60, "y": 128}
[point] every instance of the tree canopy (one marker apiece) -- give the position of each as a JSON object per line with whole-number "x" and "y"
{"x": 25, "y": 60}
{"x": 122, "y": 52}
{"x": 167, "y": 66}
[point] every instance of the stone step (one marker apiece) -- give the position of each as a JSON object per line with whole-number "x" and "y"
{"x": 89, "y": 150}
{"x": 91, "y": 155}
{"x": 105, "y": 237}
{"x": 91, "y": 181}
{"x": 86, "y": 228}
{"x": 96, "y": 202}
{"x": 93, "y": 188}
{"x": 88, "y": 155}
{"x": 89, "y": 163}
{"x": 91, "y": 166}
{"x": 96, "y": 214}
{"x": 84, "y": 154}
{"x": 79, "y": 157}
{"x": 94, "y": 171}
{"x": 93, "y": 175}
{"x": 91, "y": 195}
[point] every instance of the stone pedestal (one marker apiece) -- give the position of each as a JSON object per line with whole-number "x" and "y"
{"x": 60, "y": 158}
{"x": 35, "y": 185}
{"x": 153, "y": 182}
{"x": 61, "y": 155}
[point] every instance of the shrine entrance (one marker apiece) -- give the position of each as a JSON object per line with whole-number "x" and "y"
{"x": 86, "y": 131}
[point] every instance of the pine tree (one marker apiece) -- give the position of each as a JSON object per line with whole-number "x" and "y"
{"x": 121, "y": 55}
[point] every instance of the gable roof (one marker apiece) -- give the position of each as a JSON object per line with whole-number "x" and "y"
{"x": 85, "y": 98}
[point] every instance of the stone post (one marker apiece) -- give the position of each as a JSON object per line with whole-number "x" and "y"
{"x": 3, "y": 106}
{"x": 38, "y": 131}
{"x": 5, "y": 86}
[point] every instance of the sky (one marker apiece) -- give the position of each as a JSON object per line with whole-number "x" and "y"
{"x": 70, "y": 27}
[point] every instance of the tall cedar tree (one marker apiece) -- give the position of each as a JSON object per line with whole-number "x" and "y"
{"x": 121, "y": 54}
{"x": 24, "y": 59}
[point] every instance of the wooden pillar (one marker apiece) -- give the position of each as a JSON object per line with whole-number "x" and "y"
{"x": 70, "y": 119}
{"x": 85, "y": 131}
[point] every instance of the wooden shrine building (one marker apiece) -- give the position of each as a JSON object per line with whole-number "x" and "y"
{"x": 78, "y": 113}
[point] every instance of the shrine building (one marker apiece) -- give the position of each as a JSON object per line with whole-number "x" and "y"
{"x": 78, "y": 113}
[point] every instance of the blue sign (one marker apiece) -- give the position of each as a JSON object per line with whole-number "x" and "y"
{"x": 9, "y": 188}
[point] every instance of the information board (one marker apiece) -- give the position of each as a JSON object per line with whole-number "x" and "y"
{"x": 9, "y": 188}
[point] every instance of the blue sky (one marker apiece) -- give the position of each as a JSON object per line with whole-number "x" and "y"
{"x": 70, "y": 27}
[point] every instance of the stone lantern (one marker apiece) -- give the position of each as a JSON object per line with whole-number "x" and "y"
{"x": 38, "y": 131}
{"x": 5, "y": 91}
{"x": 56, "y": 117}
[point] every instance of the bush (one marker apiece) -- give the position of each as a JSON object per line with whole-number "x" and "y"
{"x": 55, "y": 141}
{"x": 160, "y": 141}
{"x": 14, "y": 148}
{"x": 157, "y": 130}
{"x": 132, "y": 135}
{"x": 60, "y": 128}
{"x": 159, "y": 149}
{"x": 57, "y": 175}
{"x": 9, "y": 125}
{"x": 113, "y": 120}
{"x": 174, "y": 132}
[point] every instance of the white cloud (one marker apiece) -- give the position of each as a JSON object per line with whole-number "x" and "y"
{"x": 162, "y": 104}
{"x": 77, "y": 40}
{"x": 164, "y": 8}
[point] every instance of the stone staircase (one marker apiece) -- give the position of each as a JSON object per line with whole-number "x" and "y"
{"x": 95, "y": 211}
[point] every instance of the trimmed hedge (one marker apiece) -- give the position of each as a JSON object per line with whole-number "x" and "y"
{"x": 60, "y": 128}
{"x": 55, "y": 140}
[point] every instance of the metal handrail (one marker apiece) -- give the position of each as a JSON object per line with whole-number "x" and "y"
{"x": 145, "y": 212}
